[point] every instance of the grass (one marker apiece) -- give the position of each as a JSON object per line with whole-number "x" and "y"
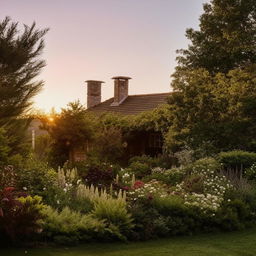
{"x": 223, "y": 244}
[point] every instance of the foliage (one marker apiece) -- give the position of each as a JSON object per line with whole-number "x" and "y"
{"x": 184, "y": 156}
{"x": 250, "y": 173}
{"x": 141, "y": 165}
{"x": 107, "y": 217}
{"x": 115, "y": 214}
{"x": 108, "y": 144}
{"x": 19, "y": 216}
{"x": 125, "y": 178}
{"x": 161, "y": 161}
{"x": 100, "y": 175}
{"x": 157, "y": 119}
{"x": 19, "y": 66}
{"x": 139, "y": 169}
{"x": 171, "y": 176}
{"x": 43, "y": 147}
{"x": 144, "y": 216}
{"x": 71, "y": 129}
{"x": 225, "y": 39}
{"x": 207, "y": 163}
{"x": 4, "y": 147}
{"x": 7, "y": 176}
{"x": 37, "y": 178}
{"x": 203, "y": 108}
{"x": 69, "y": 227}
{"x": 237, "y": 159}
{"x": 148, "y": 190}
{"x": 212, "y": 106}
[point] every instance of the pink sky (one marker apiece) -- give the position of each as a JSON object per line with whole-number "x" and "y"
{"x": 99, "y": 39}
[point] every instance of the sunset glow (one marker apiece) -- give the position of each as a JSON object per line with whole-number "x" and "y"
{"x": 101, "y": 39}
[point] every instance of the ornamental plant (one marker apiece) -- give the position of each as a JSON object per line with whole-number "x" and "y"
{"x": 69, "y": 227}
{"x": 204, "y": 189}
{"x": 147, "y": 190}
{"x": 20, "y": 215}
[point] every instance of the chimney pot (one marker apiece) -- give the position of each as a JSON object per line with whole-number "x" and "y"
{"x": 93, "y": 92}
{"x": 121, "y": 86}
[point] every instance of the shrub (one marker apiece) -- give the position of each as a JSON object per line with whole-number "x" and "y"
{"x": 170, "y": 177}
{"x": 70, "y": 227}
{"x": 7, "y": 176}
{"x": 207, "y": 163}
{"x": 145, "y": 220}
{"x": 108, "y": 145}
{"x": 162, "y": 161}
{"x": 115, "y": 215}
{"x": 169, "y": 204}
{"x": 19, "y": 216}
{"x": 237, "y": 159}
{"x": 179, "y": 218}
{"x": 250, "y": 172}
{"x": 147, "y": 190}
{"x": 234, "y": 215}
{"x": 139, "y": 169}
{"x": 124, "y": 179}
{"x": 194, "y": 183}
{"x": 98, "y": 174}
{"x": 185, "y": 156}
{"x": 37, "y": 178}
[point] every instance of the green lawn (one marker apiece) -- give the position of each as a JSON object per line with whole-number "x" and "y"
{"x": 227, "y": 244}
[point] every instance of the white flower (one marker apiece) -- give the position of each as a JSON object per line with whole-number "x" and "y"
{"x": 24, "y": 188}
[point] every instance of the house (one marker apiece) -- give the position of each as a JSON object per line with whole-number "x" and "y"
{"x": 141, "y": 142}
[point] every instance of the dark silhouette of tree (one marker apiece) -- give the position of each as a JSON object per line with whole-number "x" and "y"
{"x": 19, "y": 66}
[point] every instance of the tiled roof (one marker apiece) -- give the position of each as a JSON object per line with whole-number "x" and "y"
{"x": 133, "y": 104}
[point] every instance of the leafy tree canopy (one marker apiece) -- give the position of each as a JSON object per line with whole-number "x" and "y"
{"x": 214, "y": 99}
{"x": 218, "y": 111}
{"x": 72, "y": 128}
{"x": 226, "y": 38}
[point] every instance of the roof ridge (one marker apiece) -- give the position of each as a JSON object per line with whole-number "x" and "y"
{"x": 149, "y": 94}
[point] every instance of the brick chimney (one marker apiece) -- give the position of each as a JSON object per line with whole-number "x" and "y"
{"x": 93, "y": 93}
{"x": 121, "y": 84}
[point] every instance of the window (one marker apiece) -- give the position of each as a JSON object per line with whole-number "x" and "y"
{"x": 155, "y": 140}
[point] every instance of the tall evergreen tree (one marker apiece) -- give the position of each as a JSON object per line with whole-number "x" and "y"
{"x": 19, "y": 66}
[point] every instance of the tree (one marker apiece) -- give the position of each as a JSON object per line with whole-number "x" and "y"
{"x": 71, "y": 129}
{"x": 4, "y": 147}
{"x": 226, "y": 38}
{"x": 216, "y": 112}
{"x": 19, "y": 66}
{"x": 212, "y": 106}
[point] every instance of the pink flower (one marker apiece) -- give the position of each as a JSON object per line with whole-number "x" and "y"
{"x": 126, "y": 188}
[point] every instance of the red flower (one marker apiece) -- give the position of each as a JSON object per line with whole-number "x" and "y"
{"x": 138, "y": 184}
{"x": 9, "y": 189}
